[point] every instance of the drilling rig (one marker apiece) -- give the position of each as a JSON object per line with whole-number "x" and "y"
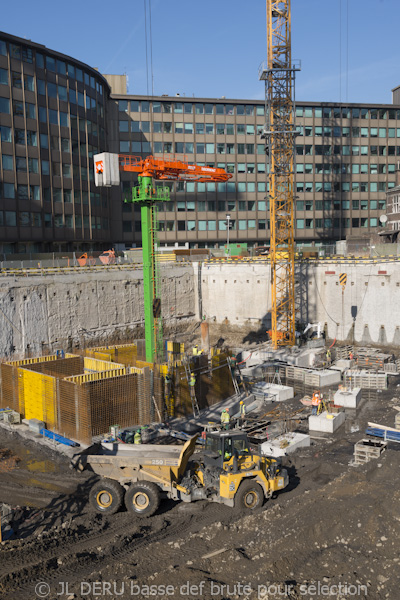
{"x": 147, "y": 195}
{"x": 279, "y": 134}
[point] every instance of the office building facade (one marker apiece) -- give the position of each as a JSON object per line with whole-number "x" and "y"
{"x": 52, "y": 121}
{"x": 56, "y": 112}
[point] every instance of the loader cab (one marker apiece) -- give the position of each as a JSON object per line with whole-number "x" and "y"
{"x": 221, "y": 446}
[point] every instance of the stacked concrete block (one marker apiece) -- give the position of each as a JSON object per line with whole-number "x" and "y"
{"x": 366, "y": 450}
{"x": 366, "y": 379}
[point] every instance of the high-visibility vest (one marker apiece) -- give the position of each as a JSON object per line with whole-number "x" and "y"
{"x": 315, "y": 400}
{"x": 192, "y": 381}
{"x": 195, "y": 351}
{"x": 224, "y": 417}
{"x": 328, "y": 354}
{"x": 137, "y": 438}
{"x": 242, "y": 409}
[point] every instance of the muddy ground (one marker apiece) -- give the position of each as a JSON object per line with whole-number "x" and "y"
{"x": 336, "y": 525}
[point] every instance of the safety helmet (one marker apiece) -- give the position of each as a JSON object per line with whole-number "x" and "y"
{"x": 138, "y": 430}
{"x": 241, "y": 402}
{"x": 192, "y": 373}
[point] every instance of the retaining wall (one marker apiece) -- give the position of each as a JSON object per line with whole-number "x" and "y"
{"x": 46, "y": 312}
{"x": 366, "y": 310}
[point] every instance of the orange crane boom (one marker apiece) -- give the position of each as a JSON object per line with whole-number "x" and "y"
{"x": 170, "y": 169}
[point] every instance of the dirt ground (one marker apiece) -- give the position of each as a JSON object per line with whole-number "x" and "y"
{"x": 334, "y": 533}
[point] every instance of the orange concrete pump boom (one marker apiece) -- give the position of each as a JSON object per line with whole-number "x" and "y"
{"x": 171, "y": 169}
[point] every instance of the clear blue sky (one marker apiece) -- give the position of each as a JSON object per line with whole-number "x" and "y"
{"x": 213, "y": 48}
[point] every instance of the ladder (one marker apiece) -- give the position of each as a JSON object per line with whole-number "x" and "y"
{"x": 195, "y": 405}
{"x": 234, "y": 381}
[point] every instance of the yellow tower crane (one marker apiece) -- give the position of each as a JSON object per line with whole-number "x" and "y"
{"x": 280, "y": 134}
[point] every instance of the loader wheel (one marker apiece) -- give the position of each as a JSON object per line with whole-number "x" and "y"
{"x": 106, "y": 496}
{"x": 143, "y": 498}
{"x": 249, "y": 495}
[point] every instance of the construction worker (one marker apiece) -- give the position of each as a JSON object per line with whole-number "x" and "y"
{"x": 138, "y": 437}
{"x": 351, "y": 355}
{"x": 225, "y": 418}
{"x": 328, "y": 356}
{"x": 315, "y": 402}
{"x": 195, "y": 350}
{"x": 192, "y": 381}
{"x": 242, "y": 411}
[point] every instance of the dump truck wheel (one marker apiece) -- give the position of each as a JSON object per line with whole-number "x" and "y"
{"x": 106, "y": 496}
{"x": 249, "y": 495}
{"x": 143, "y": 499}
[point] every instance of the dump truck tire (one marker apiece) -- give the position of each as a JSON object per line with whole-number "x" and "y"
{"x": 106, "y": 496}
{"x": 143, "y": 498}
{"x": 249, "y": 496}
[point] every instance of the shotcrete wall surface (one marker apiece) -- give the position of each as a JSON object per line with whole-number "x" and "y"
{"x": 365, "y": 310}
{"x": 46, "y": 312}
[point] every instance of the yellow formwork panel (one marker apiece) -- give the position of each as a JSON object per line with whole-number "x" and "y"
{"x": 33, "y": 361}
{"x": 141, "y": 364}
{"x": 80, "y": 379}
{"x": 39, "y": 397}
{"x": 94, "y": 365}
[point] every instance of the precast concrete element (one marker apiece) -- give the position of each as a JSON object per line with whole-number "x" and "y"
{"x": 348, "y": 398}
{"x": 323, "y": 378}
{"x": 342, "y": 365}
{"x": 272, "y": 392}
{"x": 285, "y": 444}
{"x": 366, "y": 450}
{"x": 326, "y": 422}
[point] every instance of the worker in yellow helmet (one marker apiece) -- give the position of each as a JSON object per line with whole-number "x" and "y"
{"x": 242, "y": 412}
{"x": 225, "y": 418}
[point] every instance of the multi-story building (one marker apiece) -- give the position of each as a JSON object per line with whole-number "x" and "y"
{"x": 345, "y": 162}
{"x": 52, "y": 121}
{"x": 56, "y": 112}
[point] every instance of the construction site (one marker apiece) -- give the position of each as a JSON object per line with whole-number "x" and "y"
{"x": 196, "y": 426}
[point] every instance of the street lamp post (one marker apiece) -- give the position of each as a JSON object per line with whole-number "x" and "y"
{"x": 228, "y": 223}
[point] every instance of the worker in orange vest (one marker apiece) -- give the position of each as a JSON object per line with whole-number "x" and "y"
{"x": 315, "y": 402}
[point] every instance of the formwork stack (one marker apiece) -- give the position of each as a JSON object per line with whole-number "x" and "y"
{"x": 82, "y": 396}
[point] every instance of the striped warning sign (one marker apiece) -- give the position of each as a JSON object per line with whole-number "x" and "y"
{"x": 343, "y": 279}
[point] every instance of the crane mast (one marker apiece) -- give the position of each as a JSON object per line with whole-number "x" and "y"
{"x": 280, "y": 134}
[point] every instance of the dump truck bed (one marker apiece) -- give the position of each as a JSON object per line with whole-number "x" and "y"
{"x": 155, "y": 462}
{"x": 142, "y": 453}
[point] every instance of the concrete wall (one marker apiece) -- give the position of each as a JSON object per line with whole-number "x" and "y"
{"x": 59, "y": 311}
{"x": 241, "y": 294}
{"x": 56, "y": 311}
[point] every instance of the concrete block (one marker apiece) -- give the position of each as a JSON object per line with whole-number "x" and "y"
{"x": 273, "y": 392}
{"x": 323, "y": 378}
{"x": 326, "y": 422}
{"x": 35, "y": 425}
{"x": 348, "y": 398}
{"x": 285, "y": 444}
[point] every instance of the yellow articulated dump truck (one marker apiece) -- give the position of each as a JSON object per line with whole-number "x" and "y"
{"x": 224, "y": 470}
